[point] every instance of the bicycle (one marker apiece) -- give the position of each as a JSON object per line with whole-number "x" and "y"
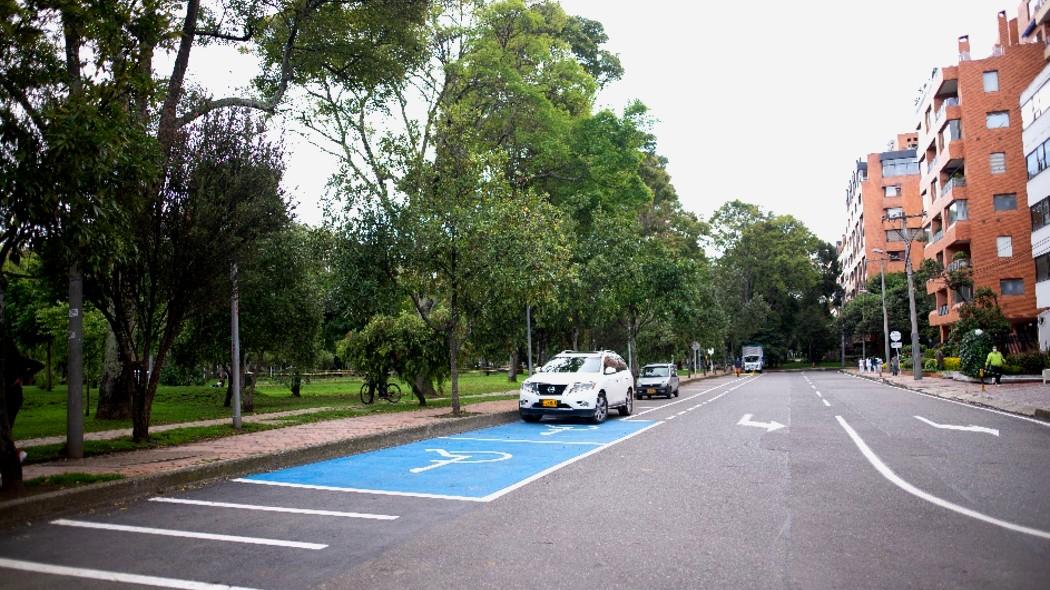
{"x": 391, "y": 392}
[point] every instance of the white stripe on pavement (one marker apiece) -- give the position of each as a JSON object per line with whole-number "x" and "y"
{"x": 275, "y": 509}
{"x": 825, "y": 402}
{"x": 187, "y": 534}
{"x": 513, "y": 440}
{"x": 107, "y": 576}
{"x": 695, "y": 395}
{"x": 888, "y": 473}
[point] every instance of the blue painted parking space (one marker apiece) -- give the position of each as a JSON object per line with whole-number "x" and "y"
{"x": 480, "y": 465}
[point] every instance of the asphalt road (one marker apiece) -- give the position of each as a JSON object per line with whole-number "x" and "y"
{"x": 815, "y": 480}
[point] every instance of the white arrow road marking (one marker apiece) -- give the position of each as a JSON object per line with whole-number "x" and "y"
{"x": 971, "y": 428}
{"x": 769, "y": 426}
{"x": 451, "y": 458}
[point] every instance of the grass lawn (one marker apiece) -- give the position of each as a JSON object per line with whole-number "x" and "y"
{"x": 44, "y": 412}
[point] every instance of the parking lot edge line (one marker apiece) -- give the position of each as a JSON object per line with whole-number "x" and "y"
{"x": 305, "y": 486}
{"x": 511, "y": 440}
{"x": 896, "y": 480}
{"x": 696, "y": 395}
{"x": 565, "y": 463}
{"x": 305, "y": 511}
{"x": 108, "y": 576}
{"x": 188, "y": 534}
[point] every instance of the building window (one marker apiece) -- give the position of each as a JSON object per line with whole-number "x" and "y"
{"x": 997, "y": 162}
{"x": 956, "y": 211}
{"x": 894, "y": 235}
{"x": 1042, "y": 267}
{"x": 1040, "y": 214}
{"x": 1036, "y": 106}
{"x": 1005, "y": 202}
{"x": 893, "y": 213}
{"x": 895, "y": 255}
{"x": 998, "y": 119}
{"x": 900, "y": 167}
{"x": 1012, "y": 286}
{"x": 991, "y": 81}
{"x": 1004, "y": 246}
{"x": 894, "y": 190}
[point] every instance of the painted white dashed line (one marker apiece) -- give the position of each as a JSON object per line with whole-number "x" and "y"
{"x": 826, "y": 402}
{"x": 818, "y": 394}
{"x": 188, "y": 534}
{"x": 275, "y": 509}
{"x": 896, "y": 480}
{"x": 671, "y": 417}
{"x": 680, "y": 413}
{"x": 696, "y": 395}
{"x": 108, "y": 576}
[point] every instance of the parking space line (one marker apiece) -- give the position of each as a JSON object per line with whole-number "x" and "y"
{"x": 108, "y": 576}
{"x": 896, "y": 480}
{"x": 511, "y": 440}
{"x": 275, "y": 509}
{"x": 308, "y": 486}
{"x": 188, "y": 534}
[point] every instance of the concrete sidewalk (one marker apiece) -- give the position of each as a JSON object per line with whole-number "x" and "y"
{"x": 1026, "y": 399}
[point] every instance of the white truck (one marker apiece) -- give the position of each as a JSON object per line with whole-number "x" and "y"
{"x": 752, "y": 358}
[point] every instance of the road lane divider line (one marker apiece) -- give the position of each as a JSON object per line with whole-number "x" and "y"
{"x": 109, "y": 576}
{"x": 896, "y": 480}
{"x": 306, "y": 511}
{"x": 696, "y": 395}
{"x": 565, "y": 463}
{"x": 513, "y": 440}
{"x": 188, "y": 534}
{"x": 826, "y": 404}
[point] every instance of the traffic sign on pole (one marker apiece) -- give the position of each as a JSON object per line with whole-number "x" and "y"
{"x": 895, "y": 336}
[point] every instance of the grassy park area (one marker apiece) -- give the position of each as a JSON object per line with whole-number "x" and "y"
{"x": 44, "y": 412}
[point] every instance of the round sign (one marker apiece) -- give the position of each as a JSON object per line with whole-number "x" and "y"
{"x": 696, "y": 346}
{"x": 895, "y": 335}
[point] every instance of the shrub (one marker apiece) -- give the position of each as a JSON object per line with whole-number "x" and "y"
{"x": 929, "y": 365}
{"x": 973, "y": 350}
{"x": 951, "y": 363}
{"x": 1009, "y": 369}
{"x": 1030, "y": 363}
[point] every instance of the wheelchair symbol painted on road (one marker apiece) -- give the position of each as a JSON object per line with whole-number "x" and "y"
{"x": 467, "y": 457}
{"x": 557, "y": 429}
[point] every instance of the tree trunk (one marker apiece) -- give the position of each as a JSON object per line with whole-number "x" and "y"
{"x": 140, "y": 403}
{"x": 512, "y": 372}
{"x": 297, "y": 383}
{"x": 229, "y": 389}
{"x": 114, "y": 393}
{"x": 50, "y": 354}
{"x": 422, "y": 388}
{"x": 10, "y": 466}
{"x": 632, "y": 338}
{"x": 453, "y": 354}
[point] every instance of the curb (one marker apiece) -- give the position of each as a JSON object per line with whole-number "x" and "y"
{"x": 25, "y": 510}
{"x": 1037, "y": 413}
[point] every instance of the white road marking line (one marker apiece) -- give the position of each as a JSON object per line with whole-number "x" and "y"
{"x": 971, "y": 428}
{"x": 305, "y": 486}
{"x": 671, "y": 417}
{"x": 565, "y": 463}
{"x": 825, "y": 402}
{"x": 187, "y": 534}
{"x": 108, "y": 576}
{"x": 888, "y": 473}
{"x": 680, "y": 413}
{"x": 363, "y": 515}
{"x": 696, "y": 395}
{"x": 958, "y": 403}
{"x": 512, "y": 440}
{"x": 818, "y": 394}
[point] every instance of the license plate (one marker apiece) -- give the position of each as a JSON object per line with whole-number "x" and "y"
{"x": 651, "y": 390}
{"x": 550, "y": 403}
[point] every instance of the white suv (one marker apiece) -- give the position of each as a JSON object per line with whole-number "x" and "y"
{"x": 583, "y": 384}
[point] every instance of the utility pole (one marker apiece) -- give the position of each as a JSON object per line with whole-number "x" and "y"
{"x": 909, "y": 238}
{"x": 75, "y": 367}
{"x": 528, "y": 329}
{"x": 235, "y": 346}
{"x": 885, "y": 316}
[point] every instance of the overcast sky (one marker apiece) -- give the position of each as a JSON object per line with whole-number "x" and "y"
{"x": 768, "y": 101}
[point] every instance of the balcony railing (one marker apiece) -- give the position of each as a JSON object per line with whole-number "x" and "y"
{"x": 955, "y": 181}
{"x": 957, "y": 264}
{"x": 942, "y": 310}
{"x": 942, "y": 112}
{"x": 931, "y": 165}
{"x": 936, "y": 236}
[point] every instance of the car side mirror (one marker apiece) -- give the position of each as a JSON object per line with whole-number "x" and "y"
{"x": 610, "y": 370}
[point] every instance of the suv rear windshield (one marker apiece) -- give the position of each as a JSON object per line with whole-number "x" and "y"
{"x": 654, "y": 372}
{"x": 573, "y": 364}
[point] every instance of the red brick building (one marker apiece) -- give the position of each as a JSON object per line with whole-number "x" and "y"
{"x": 973, "y": 184}
{"x": 883, "y": 188}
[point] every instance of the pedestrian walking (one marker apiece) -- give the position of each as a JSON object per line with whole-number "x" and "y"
{"x": 993, "y": 363}
{"x": 860, "y": 365}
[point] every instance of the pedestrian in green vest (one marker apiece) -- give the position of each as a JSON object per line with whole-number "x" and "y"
{"x": 994, "y": 364}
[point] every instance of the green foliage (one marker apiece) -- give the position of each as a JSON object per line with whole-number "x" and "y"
{"x": 402, "y": 345}
{"x": 982, "y": 313}
{"x": 973, "y": 350}
{"x": 952, "y": 363}
{"x": 1028, "y": 363}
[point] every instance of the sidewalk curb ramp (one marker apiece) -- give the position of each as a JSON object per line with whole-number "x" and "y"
{"x": 102, "y": 495}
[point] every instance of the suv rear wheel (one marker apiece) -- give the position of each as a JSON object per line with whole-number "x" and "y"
{"x": 628, "y": 404}
{"x": 601, "y": 410}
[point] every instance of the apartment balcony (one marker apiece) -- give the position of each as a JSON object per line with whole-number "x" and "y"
{"x": 953, "y": 156}
{"x": 1041, "y": 14}
{"x": 955, "y": 234}
{"x": 936, "y": 284}
{"x": 944, "y": 314}
{"x": 957, "y": 265}
{"x": 948, "y": 110}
